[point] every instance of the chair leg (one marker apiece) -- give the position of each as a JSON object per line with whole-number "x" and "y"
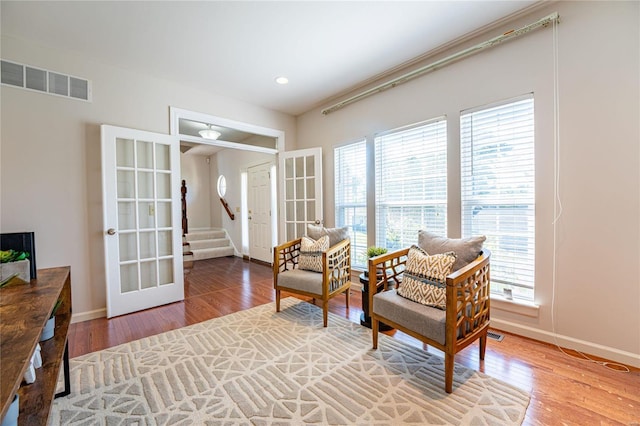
{"x": 448, "y": 372}
{"x": 325, "y": 312}
{"x": 374, "y": 332}
{"x": 277, "y": 300}
{"x": 348, "y": 294}
{"x": 483, "y": 345}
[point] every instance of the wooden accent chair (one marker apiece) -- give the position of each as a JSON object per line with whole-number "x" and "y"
{"x": 334, "y": 279}
{"x": 465, "y": 319}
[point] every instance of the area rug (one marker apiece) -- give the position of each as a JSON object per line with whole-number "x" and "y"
{"x": 259, "y": 367}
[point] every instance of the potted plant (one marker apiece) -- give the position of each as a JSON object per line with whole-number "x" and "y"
{"x": 49, "y": 327}
{"x": 374, "y": 251}
{"x": 14, "y": 263}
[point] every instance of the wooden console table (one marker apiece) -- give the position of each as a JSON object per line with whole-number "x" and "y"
{"x": 24, "y": 310}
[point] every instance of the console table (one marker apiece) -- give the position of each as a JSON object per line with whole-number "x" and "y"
{"x": 24, "y": 310}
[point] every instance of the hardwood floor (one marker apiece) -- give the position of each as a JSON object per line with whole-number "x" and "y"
{"x": 564, "y": 390}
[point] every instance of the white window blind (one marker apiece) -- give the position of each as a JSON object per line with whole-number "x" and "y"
{"x": 498, "y": 190}
{"x": 411, "y": 183}
{"x": 350, "y": 171}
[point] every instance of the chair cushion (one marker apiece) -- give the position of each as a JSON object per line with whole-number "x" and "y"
{"x": 466, "y": 249}
{"x": 425, "y": 277}
{"x": 311, "y": 253}
{"x": 298, "y": 279}
{"x": 422, "y": 319}
{"x": 335, "y": 234}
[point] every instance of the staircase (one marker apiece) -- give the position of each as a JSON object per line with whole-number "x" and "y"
{"x": 207, "y": 244}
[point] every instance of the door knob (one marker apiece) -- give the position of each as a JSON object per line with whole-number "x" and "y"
{"x": 111, "y": 231}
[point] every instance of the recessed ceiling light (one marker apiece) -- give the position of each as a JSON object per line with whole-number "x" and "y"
{"x": 282, "y": 80}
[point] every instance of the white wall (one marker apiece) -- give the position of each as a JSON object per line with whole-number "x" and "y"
{"x": 597, "y": 288}
{"x": 50, "y": 146}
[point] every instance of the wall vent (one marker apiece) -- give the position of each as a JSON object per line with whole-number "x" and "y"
{"x": 495, "y": 336}
{"x": 44, "y": 81}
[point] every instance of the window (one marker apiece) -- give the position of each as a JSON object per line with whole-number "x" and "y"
{"x": 411, "y": 183}
{"x": 498, "y": 190}
{"x": 351, "y": 197}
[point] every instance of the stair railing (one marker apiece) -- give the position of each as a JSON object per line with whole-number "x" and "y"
{"x": 226, "y": 207}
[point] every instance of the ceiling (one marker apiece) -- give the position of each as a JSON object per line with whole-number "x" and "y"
{"x": 237, "y": 48}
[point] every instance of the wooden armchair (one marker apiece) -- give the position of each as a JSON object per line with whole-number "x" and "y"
{"x": 465, "y": 319}
{"x": 334, "y": 279}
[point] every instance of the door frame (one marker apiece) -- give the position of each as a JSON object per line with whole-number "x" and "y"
{"x": 176, "y": 114}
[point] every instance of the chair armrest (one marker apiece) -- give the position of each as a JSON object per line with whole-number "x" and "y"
{"x": 285, "y": 256}
{"x": 468, "y": 299}
{"x": 385, "y": 269}
{"x": 336, "y": 263}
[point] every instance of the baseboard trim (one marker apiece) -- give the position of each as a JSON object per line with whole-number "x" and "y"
{"x": 89, "y": 315}
{"x": 606, "y": 352}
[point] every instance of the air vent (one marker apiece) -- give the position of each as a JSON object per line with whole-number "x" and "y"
{"x": 45, "y": 81}
{"x": 498, "y": 337}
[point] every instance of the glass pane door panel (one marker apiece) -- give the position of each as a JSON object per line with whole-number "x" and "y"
{"x": 289, "y": 206}
{"x": 145, "y": 185}
{"x": 164, "y": 214}
{"x": 128, "y": 247}
{"x": 163, "y": 160}
{"x": 291, "y": 229}
{"x": 300, "y": 216}
{"x": 165, "y": 243}
{"x": 148, "y": 275}
{"x": 146, "y": 214}
{"x": 163, "y": 180}
{"x": 311, "y": 209}
{"x": 289, "y": 190}
{"x": 124, "y": 153}
{"x": 302, "y": 229}
{"x": 165, "y": 271}
{"x": 299, "y": 171}
{"x": 128, "y": 278}
{"x": 311, "y": 186}
{"x": 299, "y": 188}
{"x": 288, "y": 168}
{"x": 311, "y": 170}
{"x": 126, "y": 215}
{"x": 126, "y": 184}
{"x": 147, "y": 245}
{"x": 145, "y": 155}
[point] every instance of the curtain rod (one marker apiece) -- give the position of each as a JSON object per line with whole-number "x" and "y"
{"x": 543, "y": 22}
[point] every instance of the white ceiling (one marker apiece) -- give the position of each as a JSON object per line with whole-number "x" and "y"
{"x": 237, "y": 49}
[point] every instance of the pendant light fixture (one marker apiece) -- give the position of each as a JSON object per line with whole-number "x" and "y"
{"x": 209, "y": 133}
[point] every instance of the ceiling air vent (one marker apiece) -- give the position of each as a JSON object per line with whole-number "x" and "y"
{"x": 44, "y": 81}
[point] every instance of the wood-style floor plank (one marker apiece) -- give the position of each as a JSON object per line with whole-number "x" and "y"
{"x": 564, "y": 390}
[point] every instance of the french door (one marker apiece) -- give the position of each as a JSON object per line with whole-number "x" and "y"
{"x": 301, "y": 191}
{"x": 142, "y": 233}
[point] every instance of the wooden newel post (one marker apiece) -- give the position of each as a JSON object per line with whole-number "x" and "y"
{"x": 185, "y": 225}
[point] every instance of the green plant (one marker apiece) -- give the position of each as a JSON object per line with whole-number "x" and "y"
{"x": 374, "y": 251}
{"x": 55, "y": 308}
{"x": 12, "y": 255}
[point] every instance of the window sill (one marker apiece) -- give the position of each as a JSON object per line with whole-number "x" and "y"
{"x": 528, "y": 309}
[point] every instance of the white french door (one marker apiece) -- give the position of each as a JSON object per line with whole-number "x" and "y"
{"x": 301, "y": 191}
{"x": 259, "y": 210}
{"x": 142, "y": 233}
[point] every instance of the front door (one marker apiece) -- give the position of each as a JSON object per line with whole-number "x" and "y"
{"x": 259, "y": 209}
{"x": 301, "y": 191}
{"x": 142, "y": 234}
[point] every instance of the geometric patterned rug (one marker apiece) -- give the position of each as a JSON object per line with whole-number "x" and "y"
{"x": 259, "y": 367}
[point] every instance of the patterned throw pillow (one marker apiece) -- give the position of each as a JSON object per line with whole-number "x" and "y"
{"x": 311, "y": 253}
{"x": 425, "y": 277}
